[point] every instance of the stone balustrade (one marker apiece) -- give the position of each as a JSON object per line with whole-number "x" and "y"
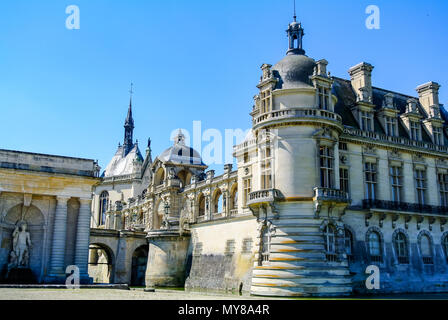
{"x": 395, "y": 140}
{"x": 294, "y": 113}
{"x": 263, "y": 196}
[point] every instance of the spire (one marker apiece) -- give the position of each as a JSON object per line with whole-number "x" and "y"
{"x": 129, "y": 127}
{"x": 295, "y": 34}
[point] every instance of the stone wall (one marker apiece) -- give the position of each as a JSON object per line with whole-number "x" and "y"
{"x": 221, "y": 256}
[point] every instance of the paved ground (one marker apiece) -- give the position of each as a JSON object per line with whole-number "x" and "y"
{"x": 139, "y": 294}
{"x": 108, "y": 294}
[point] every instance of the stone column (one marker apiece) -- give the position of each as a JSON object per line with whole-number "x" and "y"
{"x": 83, "y": 239}
{"x": 57, "y": 264}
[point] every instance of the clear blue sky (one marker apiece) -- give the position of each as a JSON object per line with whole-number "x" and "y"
{"x": 66, "y": 91}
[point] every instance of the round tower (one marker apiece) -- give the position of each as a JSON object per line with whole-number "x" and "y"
{"x": 295, "y": 177}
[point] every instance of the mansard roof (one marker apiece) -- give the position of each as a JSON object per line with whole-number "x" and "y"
{"x": 343, "y": 90}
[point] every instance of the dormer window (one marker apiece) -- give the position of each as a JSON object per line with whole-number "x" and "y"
{"x": 415, "y": 132}
{"x": 265, "y": 101}
{"x": 324, "y": 101}
{"x": 366, "y": 121}
{"x": 391, "y": 126}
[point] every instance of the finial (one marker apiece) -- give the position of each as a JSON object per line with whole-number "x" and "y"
{"x": 295, "y": 16}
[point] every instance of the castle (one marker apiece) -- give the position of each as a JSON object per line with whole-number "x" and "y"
{"x": 335, "y": 175}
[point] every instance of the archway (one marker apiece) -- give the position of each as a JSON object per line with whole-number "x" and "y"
{"x": 139, "y": 262}
{"x": 159, "y": 177}
{"x": 101, "y": 263}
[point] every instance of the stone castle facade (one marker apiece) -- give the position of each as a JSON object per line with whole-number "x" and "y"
{"x": 335, "y": 175}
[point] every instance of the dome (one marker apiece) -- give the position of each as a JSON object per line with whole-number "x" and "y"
{"x": 179, "y": 153}
{"x": 293, "y": 71}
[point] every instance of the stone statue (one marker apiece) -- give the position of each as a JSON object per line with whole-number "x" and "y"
{"x": 21, "y": 245}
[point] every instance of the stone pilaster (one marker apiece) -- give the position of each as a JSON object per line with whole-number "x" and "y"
{"x": 82, "y": 238}
{"x": 57, "y": 265}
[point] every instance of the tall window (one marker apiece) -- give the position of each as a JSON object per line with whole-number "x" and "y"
{"x": 437, "y": 132}
{"x": 246, "y": 189}
{"x": 265, "y": 101}
{"x": 445, "y": 247}
{"x": 266, "y": 168}
{"x": 370, "y": 176}
{"x": 375, "y": 247}
{"x": 391, "y": 126}
{"x": 401, "y": 248}
{"x": 420, "y": 185}
{"x": 104, "y": 206}
{"x": 330, "y": 242}
{"x": 415, "y": 130}
{"x": 426, "y": 249}
{"x": 323, "y": 98}
{"x": 443, "y": 189}
{"x": 348, "y": 243}
{"x": 343, "y": 179}
{"x": 366, "y": 121}
{"x": 396, "y": 183}
{"x": 326, "y": 167}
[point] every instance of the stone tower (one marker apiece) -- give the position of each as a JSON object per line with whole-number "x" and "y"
{"x": 295, "y": 177}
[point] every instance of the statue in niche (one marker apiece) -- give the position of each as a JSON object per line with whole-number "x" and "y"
{"x": 21, "y": 246}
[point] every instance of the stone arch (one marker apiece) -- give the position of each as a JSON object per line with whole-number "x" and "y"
{"x": 101, "y": 263}
{"x": 185, "y": 177}
{"x": 234, "y": 196}
{"x": 201, "y": 205}
{"x": 139, "y": 263}
{"x": 218, "y": 201}
{"x": 159, "y": 176}
{"x": 36, "y": 223}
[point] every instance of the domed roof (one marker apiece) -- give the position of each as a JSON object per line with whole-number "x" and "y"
{"x": 179, "y": 153}
{"x": 293, "y": 71}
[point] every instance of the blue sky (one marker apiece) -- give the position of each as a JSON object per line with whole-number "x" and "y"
{"x": 66, "y": 91}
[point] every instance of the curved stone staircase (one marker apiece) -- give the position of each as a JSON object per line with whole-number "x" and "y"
{"x": 297, "y": 263}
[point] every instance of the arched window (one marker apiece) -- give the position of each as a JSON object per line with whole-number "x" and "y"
{"x": 445, "y": 246}
{"x": 375, "y": 247}
{"x": 104, "y": 206}
{"x": 330, "y": 242}
{"x": 426, "y": 249}
{"x": 401, "y": 248}
{"x": 201, "y": 202}
{"x": 217, "y": 202}
{"x": 348, "y": 243}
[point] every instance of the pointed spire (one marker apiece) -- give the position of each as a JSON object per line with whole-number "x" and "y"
{"x": 129, "y": 120}
{"x": 129, "y": 127}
